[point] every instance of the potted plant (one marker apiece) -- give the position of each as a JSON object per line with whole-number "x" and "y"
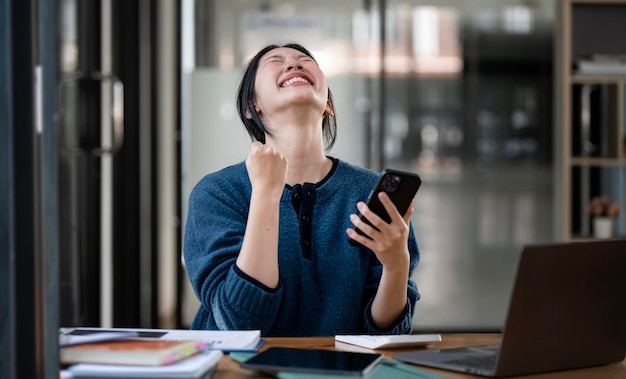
{"x": 603, "y": 211}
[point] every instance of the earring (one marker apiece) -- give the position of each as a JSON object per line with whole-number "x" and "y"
{"x": 328, "y": 111}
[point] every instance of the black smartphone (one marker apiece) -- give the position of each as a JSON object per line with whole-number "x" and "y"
{"x": 276, "y": 359}
{"x": 401, "y": 187}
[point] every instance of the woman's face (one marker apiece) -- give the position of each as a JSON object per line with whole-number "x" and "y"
{"x": 287, "y": 77}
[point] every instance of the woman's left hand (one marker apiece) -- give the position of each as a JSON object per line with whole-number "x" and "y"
{"x": 389, "y": 242}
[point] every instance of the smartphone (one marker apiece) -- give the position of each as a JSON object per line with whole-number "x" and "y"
{"x": 401, "y": 187}
{"x": 316, "y": 361}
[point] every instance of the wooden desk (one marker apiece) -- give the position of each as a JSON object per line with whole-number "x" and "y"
{"x": 229, "y": 369}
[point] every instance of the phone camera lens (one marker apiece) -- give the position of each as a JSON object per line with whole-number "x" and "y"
{"x": 390, "y": 183}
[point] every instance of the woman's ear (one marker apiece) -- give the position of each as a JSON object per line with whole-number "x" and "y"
{"x": 328, "y": 111}
{"x": 256, "y": 109}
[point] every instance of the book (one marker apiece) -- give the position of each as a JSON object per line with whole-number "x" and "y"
{"x": 131, "y": 352}
{"x": 388, "y": 341}
{"x": 225, "y": 340}
{"x": 76, "y": 339}
{"x": 602, "y": 65}
{"x": 593, "y": 68}
{"x": 199, "y": 366}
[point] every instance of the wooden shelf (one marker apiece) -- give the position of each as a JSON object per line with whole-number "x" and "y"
{"x": 578, "y": 238}
{"x": 597, "y": 162}
{"x": 589, "y": 112}
{"x": 597, "y": 79}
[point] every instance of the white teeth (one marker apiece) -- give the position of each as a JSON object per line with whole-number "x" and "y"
{"x": 295, "y": 79}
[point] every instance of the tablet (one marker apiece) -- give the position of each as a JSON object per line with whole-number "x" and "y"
{"x": 276, "y": 359}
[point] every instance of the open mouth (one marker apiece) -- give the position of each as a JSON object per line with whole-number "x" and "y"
{"x": 295, "y": 79}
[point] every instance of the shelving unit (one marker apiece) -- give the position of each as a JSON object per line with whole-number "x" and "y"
{"x": 590, "y": 142}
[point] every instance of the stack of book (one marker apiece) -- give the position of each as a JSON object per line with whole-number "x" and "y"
{"x": 607, "y": 65}
{"x": 148, "y": 353}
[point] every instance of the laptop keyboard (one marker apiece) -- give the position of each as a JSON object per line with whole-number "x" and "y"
{"x": 481, "y": 363}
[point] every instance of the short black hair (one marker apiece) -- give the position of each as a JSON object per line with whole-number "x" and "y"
{"x": 245, "y": 100}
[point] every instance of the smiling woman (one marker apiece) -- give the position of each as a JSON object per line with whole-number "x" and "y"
{"x": 286, "y": 78}
{"x": 289, "y": 63}
{"x": 266, "y": 241}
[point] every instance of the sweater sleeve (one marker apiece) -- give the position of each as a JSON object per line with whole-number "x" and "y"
{"x": 403, "y": 324}
{"x": 214, "y": 232}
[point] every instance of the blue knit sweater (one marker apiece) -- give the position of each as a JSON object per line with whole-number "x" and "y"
{"x": 326, "y": 285}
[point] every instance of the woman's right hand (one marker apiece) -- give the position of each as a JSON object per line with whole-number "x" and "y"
{"x": 267, "y": 169}
{"x": 258, "y": 258}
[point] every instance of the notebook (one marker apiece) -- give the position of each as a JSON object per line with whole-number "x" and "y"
{"x": 567, "y": 310}
{"x": 199, "y": 366}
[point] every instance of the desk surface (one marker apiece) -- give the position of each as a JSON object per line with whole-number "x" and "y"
{"x": 229, "y": 369}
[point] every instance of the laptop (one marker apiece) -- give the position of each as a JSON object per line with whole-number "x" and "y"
{"x": 567, "y": 311}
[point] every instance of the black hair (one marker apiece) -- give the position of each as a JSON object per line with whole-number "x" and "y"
{"x": 245, "y": 100}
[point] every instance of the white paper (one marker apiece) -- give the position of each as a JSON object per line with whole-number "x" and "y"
{"x": 388, "y": 341}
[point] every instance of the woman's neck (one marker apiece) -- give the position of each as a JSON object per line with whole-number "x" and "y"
{"x": 308, "y": 169}
{"x": 304, "y": 151}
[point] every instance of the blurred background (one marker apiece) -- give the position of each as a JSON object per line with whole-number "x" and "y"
{"x": 458, "y": 92}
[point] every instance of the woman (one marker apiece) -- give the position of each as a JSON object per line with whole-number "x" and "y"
{"x": 266, "y": 240}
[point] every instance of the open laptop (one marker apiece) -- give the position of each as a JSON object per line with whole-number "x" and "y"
{"x": 567, "y": 311}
